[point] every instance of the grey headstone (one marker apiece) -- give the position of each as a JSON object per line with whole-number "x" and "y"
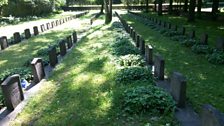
{"x": 149, "y": 54}
{"x": 159, "y": 66}
{"x": 27, "y": 33}
{"x": 17, "y": 37}
{"x": 137, "y": 40}
{"x": 3, "y": 42}
{"x": 38, "y": 69}
{"x": 48, "y": 26}
{"x": 52, "y": 24}
{"x": 63, "y": 49}
{"x": 192, "y": 34}
{"x": 178, "y": 86}
{"x": 211, "y": 116}
{"x": 204, "y": 39}
{"x": 133, "y": 35}
{"x": 142, "y": 46}
{"x": 131, "y": 31}
{"x": 12, "y": 91}
{"x": 35, "y": 30}
{"x": 69, "y": 41}
{"x": 42, "y": 27}
{"x": 220, "y": 43}
{"x": 74, "y": 35}
{"x": 53, "y": 59}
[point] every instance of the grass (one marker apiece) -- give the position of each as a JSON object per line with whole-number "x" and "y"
{"x": 214, "y": 29}
{"x": 204, "y": 80}
{"x": 82, "y": 90}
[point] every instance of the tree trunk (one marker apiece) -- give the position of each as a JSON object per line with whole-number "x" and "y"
{"x": 171, "y": 7}
{"x": 199, "y": 8}
{"x": 191, "y": 15}
{"x": 215, "y": 7}
{"x": 155, "y": 7}
{"x": 102, "y": 6}
{"x": 160, "y": 9}
{"x": 185, "y": 5}
{"x": 147, "y": 6}
{"x": 108, "y": 11}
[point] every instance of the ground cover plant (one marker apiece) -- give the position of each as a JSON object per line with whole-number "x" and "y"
{"x": 204, "y": 80}
{"x": 82, "y": 89}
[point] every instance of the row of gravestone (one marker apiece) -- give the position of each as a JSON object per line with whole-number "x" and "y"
{"x": 17, "y": 38}
{"x": 182, "y": 30}
{"x": 11, "y": 86}
{"x": 178, "y": 84}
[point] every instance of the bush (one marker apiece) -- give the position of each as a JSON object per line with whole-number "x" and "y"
{"x": 217, "y": 57}
{"x": 24, "y": 73}
{"x": 131, "y": 60}
{"x": 150, "y": 99}
{"x": 188, "y": 42}
{"x": 128, "y": 75}
{"x": 123, "y": 47}
{"x": 201, "y": 49}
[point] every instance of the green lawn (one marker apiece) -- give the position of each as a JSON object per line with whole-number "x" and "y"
{"x": 214, "y": 29}
{"x": 82, "y": 91}
{"x": 204, "y": 80}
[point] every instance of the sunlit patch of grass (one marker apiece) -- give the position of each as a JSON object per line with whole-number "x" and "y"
{"x": 204, "y": 80}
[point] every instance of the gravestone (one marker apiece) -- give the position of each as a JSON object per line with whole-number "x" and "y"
{"x": 204, "y": 39}
{"x": 137, "y": 40}
{"x": 220, "y": 44}
{"x": 133, "y": 34}
{"x": 27, "y": 33}
{"x": 38, "y": 69}
{"x": 164, "y": 24}
{"x": 183, "y": 30}
{"x": 159, "y": 66}
{"x": 142, "y": 46}
{"x": 48, "y": 26}
{"x": 210, "y": 116}
{"x": 53, "y": 59}
{"x": 57, "y": 22}
{"x": 52, "y": 24}
{"x": 42, "y": 28}
{"x": 17, "y": 37}
{"x": 3, "y": 42}
{"x": 149, "y": 54}
{"x": 69, "y": 41}
{"x": 178, "y": 86}
{"x": 192, "y": 34}
{"x": 170, "y": 26}
{"x": 35, "y": 30}
{"x": 63, "y": 49}
{"x": 74, "y": 35}
{"x": 12, "y": 91}
{"x": 131, "y": 31}
{"x": 160, "y": 22}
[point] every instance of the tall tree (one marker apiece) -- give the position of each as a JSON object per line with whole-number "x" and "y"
{"x": 160, "y": 7}
{"x": 147, "y": 6}
{"x": 171, "y": 7}
{"x": 191, "y": 15}
{"x": 215, "y": 7}
{"x": 199, "y": 8}
{"x": 155, "y": 5}
{"x": 185, "y": 5}
{"x": 108, "y": 11}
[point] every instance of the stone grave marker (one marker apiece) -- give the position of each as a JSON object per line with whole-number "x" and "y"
{"x": 3, "y": 42}
{"x": 38, "y": 69}
{"x": 27, "y": 33}
{"x": 220, "y": 44}
{"x": 137, "y": 40}
{"x": 48, "y": 26}
{"x": 159, "y": 66}
{"x": 183, "y": 30}
{"x": 63, "y": 49}
{"x": 210, "y": 116}
{"x": 142, "y": 46}
{"x": 74, "y": 35}
{"x": 12, "y": 91}
{"x": 133, "y": 35}
{"x": 178, "y": 86}
{"x": 169, "y": 26}
{"x": 69, "y": 41}
{"x": 53, "y": 59}
{"x": 52, "y": 24}
{"x": 204, "y": 39}
{"x": 149, "y": 54}
{"x": 42, "y": 28}
{"x": 35, "y": 30}
{"x": 17, "y": 37}
{"x": 192, "y": 34}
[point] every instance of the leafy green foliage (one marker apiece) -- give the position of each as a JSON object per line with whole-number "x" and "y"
{"x": 131, "y": 60}
{"x": 128, "y": 75}
{"x": 24, "y": 73}
{"x": 217, "y": 57}
{"x": 201, "y": 49}
{"x": 188, "y": 42}
{"x": 149, "y": 99}
{"x": 122, "y": 47}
